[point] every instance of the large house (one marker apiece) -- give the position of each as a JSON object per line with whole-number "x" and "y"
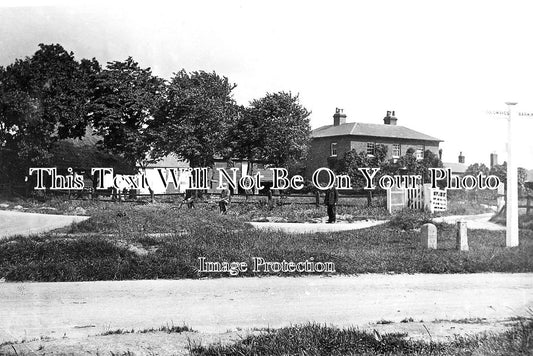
{"x": 337, "y": 139}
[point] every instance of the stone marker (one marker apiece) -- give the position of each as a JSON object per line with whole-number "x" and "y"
{"x": 462, "y": 238}
{"x": 428, "y": 236}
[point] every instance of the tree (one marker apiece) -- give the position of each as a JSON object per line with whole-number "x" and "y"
{"x": 410, "y": 165}
{"x": 274, "y": 129}
{"x": 195, "y": 118}
{"x": 43, "y": 98}
{"x": 500, "y": 171}
{"x": 476, "y": 168}
{"x": 352, "y": 160}
{"x": 124, "y": 101}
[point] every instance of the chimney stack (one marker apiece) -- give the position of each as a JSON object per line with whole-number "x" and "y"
{"x": 493, "y": 159}
{"x": 390, "y": 119}
{"x": 461, "y": 157}
{"x": 339, "y": 118}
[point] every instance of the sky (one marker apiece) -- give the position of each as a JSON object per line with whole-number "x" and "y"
{"x": 440, "y": 65}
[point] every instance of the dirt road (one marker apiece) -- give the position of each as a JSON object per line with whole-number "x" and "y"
{"x": 19, "y": 223}
{"x": 32, "y": 310}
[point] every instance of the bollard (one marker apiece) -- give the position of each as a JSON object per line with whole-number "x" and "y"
{"x": 462, "y": 238}
{"x": 428, "y": 236}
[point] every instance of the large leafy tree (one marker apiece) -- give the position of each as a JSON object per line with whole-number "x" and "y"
{"x": 352, "y": 160}
{"x": 409, "y": 164}
{"x": 195, "y": 120}
{"x": 43, "y": 98}
{"x": 125, "y": 99}
{"x": 500, "y": 171}
{"x": 477, "y": 168}
{"x": 274, "y": 129}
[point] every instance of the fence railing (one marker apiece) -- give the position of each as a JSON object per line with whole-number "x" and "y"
{"x": 351, "y": 199}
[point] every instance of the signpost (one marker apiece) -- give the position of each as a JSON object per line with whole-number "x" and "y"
{"x": 511, "y": 203}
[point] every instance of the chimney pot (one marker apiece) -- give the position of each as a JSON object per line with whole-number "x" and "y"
{"x": 461, "y": 157}
{"x": 390, "y": 119}
{"x": 493, "y": 159}
{"x": 339, "y": 118}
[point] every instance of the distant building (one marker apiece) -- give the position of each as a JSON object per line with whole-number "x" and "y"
{"x": 170, "y": 162}
{"x": 335, "y": 140}
{"x": 493, "y": 159}
{"x": 459, "y": 167}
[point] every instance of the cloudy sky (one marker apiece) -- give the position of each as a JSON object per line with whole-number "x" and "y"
{"x": 439, "y": 65}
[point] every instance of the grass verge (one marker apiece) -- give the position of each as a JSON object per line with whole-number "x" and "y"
{"x": 122, "y": 243}
{"x": 315, "y": 339}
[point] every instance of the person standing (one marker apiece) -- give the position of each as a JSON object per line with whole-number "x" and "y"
{"x": 331, "y": 199}
{"x": 224, "y": 200}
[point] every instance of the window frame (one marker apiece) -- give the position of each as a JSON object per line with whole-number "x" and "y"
{"x": 399, "y": 146}
{"x": 333, "y": 149}
{"x": 372, "y": 147}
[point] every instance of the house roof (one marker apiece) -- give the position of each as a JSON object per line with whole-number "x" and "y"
{"x": 456, "y": 167}
{"x": 375, "y": 130}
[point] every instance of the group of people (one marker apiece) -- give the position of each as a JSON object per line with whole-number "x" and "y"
{"x": 330, "y": 200}
{"x": 223, "y": 201}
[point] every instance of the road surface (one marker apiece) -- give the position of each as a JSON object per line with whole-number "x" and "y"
{"x": 19, "y": 223}
{"x": 74, "y": 310}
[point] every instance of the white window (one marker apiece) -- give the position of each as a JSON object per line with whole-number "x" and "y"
{"x": 353, "y": 145}
{"x": 396, "y": 150}
{"x": 419, "y": 152}
{"x": 334, "y": 149}
{"x": 370, "y": 148}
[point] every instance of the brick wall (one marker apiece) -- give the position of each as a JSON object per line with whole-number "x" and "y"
{"x": 320, "y": 148}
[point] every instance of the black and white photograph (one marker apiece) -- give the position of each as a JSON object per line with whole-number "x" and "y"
{"x": 250, "y": 177}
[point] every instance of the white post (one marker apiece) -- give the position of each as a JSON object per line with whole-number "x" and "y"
{"x": 512, "y": 185}
{"x": 428, "y": 195}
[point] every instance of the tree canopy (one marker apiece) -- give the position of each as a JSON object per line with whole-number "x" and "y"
{"x": 43, "y": 98}
{"x": 273, "y": 129}
{"x": 49, "y": 100}
{"x": 124, "y": 101}
{"x": 195, "y": 119}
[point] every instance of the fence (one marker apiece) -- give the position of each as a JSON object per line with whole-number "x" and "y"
{"x": 415, "y": 198}
{"x": 351, "y": 199}
{"x": 435, "y": 199}
{"x": 419, "y": 198}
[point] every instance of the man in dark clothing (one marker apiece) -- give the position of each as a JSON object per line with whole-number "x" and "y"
{"x": 331, "y": 199}
{"x": 224, "y": 200}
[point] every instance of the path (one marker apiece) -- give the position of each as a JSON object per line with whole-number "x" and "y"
{"x": 19, "y": 223}
{"x": 479, "y": 221}
{"x": 301, "y": 228}
{"x": 32, "y": 310}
